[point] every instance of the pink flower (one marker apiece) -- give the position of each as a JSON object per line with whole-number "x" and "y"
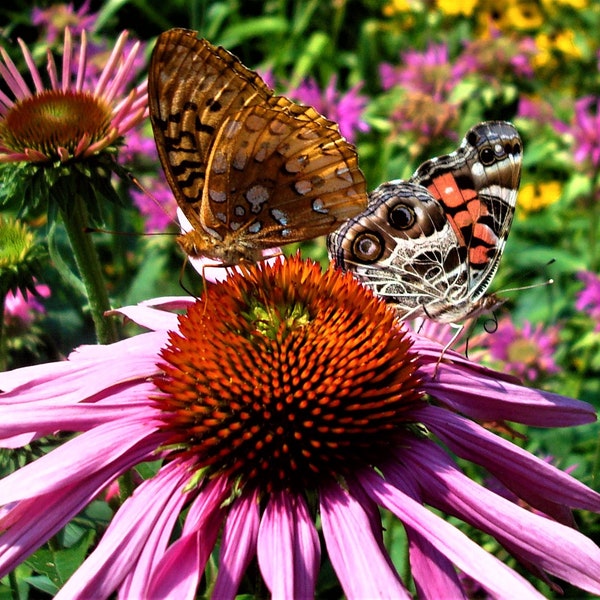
{"x": 429, "y": 72}
{"x": 584, "y": 131}
{"x": 25, "y": 310}
{"x": 497, "y": 57}
{"x": 526, "y": 351}
{"x": 588, "y": 299}
{"x": 76, "y": 116}
{"x": 281, "y": 390}
{"x": 58, "y": 16}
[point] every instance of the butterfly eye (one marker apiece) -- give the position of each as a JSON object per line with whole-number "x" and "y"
{"x": 368, "y": 247}
{"x": 487, "y": 156}
{"x": 402, "y": 217}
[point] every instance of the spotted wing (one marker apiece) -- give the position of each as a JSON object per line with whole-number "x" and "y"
{"x": 193, "y": 87}
{"x": 404, "y": 249}
{"x": 280, "y": 178}
{"x": 203, "y": 105}
{"x": 477, "y": 185}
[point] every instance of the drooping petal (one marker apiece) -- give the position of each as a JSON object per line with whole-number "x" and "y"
{"x": 555, "y": 548}
{"x": 79, "y": 457}
{"x": 138, "y": 533}
{"x": 434, "y": 575}
{"x": 177, "y": 574}
{"x": 238, "y": 545}
{"x": 355, "y": 553}
{"x": 532, "y": 479}
{"x": 490, "y": 399}
{"x": 492, "y": 574}
{"x": 288, "y": 547}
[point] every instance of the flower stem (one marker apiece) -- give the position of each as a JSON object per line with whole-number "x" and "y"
{"x": 88, "y": 263}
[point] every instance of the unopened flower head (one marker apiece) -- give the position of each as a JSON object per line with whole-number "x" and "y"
{"x": 20, "y": 257}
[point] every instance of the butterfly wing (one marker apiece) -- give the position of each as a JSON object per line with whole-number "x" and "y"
{"x": 281, "y": 178}
{"x": 210, "y": 114}
{"x": 403, "y": 248}
{"x": 192, "y": 88}
{"x": 477, "y": 186}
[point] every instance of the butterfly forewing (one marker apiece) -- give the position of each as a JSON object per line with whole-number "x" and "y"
{"x": 477, "y": 186}
{"x": 250, "y": 170}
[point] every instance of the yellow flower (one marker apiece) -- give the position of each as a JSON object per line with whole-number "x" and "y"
{"x": 397, "y": 6}
{"x": 457, "y": 7}
{"x": 562, "y": 42}
{"x": 535, "y": 196}
{"x": 522, "y": 15}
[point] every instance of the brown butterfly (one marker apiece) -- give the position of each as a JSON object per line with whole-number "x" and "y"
{"x": 249, "y": 170}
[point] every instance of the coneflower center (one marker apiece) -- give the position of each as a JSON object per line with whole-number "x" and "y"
{"x": 284, "y": 377}
{"x": 55, "y": 119}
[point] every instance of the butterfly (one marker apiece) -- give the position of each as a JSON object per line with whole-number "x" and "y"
{"x": 431, "y": 245}
{"x": 249, "y": 170}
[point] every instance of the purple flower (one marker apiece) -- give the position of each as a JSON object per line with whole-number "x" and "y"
{"x": 285, "y": 388}
{"x": 22, "y": 311}
{"x": 345, "y": 109}
{"x": 58, "y": 16}
{"x": 526, "y": 352}
{"x": 497, "y": 57}
{"x": 584, "y": 131}
{"x": 535, "y": 109}
{"x": 429, "y": 72}
{"x": 588, "y": 299}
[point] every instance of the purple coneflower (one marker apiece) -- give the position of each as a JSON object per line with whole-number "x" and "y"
{"x": 75, "y": 116}
{"x": 284, "y": 395}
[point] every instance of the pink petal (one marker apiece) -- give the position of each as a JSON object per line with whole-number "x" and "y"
{"x": 238, "y": 545}
{"x": 178, "y": 573}
{"x": 490, "y": 399}
{"x": 288, "y": 547}
{"x": 433, "y": 573}
{"x": 355, "y": 553}
{"x": 532, "y": 479}
{"x": 138, "y": 531}
{"x": 557, "y": 549}
{"x": 468, "y": 556}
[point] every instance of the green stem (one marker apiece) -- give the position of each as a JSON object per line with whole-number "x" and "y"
{"x": 88, "y": 263}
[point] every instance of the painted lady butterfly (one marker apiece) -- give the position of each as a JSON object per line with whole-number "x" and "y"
{"x": 431, "y": 245}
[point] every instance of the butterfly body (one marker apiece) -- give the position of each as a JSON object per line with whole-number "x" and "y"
{"x": 250, "y": 170}
{"x": 431, "y": 245}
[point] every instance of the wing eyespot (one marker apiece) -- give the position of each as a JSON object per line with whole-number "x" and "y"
{"x": 368, "y": 247}
{"x": 402, "y": 217}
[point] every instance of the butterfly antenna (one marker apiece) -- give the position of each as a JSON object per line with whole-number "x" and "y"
{"x": 549, "y": 281}
{"x": 135, "y": 181}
